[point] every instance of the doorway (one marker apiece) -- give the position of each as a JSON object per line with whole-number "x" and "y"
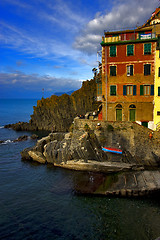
{"x": 132, "y": 113}
{"x": 119, "y": 112}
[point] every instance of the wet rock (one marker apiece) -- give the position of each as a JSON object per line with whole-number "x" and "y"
{"x": 34, "y": 136}
{"x": 37, "y": 156}
{"x": 25, "y": 155}
{"x": 21, "y": 138}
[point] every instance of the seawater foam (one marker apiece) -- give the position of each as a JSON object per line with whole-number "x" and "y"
{"x": 7, "y": 141}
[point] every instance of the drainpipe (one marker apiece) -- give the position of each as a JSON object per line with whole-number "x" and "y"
{"x": 106, "y": 88}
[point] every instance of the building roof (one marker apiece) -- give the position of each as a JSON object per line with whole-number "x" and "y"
{"x": 154, "y": 16}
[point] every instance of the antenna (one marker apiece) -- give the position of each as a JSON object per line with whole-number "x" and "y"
{"x": 42, "y": 92}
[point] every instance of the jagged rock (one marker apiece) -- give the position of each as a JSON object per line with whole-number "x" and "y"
{"x": 37, "y": 156}
{"x": 21, "y": 138}
{"x": 25, "y": 155}
{"x": 57, "y": 113}
{"x": 34, "y": 136}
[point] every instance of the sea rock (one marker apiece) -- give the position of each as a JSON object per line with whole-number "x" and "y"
{"x": 37, "y": 156}
{"x": 34, "y": 136}
{"x": 21, "y": 138}
{"x": 25, "y": 154}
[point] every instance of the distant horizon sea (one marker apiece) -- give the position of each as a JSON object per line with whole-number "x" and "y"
{"x": 39, "y": 201}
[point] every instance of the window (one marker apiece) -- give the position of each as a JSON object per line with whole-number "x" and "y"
{"x": 112, "y": 70}
{"x": 147, "y": 48}
{"x": 147, "y": 90}
{"x": 113, "y": 51}
{"x": 158, "y": 113}
{"x": 130, "y": 50}
{"x": 147, "y": 69}
{"x": 159, "y": 72}
{"x": 113, "y": 90}
{"x": 158, "y": 91}
{"x": 129, "y": 90}
{"x": 99, "y": 88}
{"x": 130, "y": 70}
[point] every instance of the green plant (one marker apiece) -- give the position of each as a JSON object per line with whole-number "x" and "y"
{"x": 87, "y": 128}
{"x": 110, "y": 128}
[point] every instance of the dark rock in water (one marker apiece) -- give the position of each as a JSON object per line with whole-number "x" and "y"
{"x": 34, "y": 136}
{"x": 21, "y": 138}
{"x": 25, "y": 155}
{"x": 1, "y": 141}
{"x": 21, "y": 126}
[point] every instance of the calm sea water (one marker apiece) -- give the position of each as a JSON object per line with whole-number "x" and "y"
{"x": 39, "y": 202}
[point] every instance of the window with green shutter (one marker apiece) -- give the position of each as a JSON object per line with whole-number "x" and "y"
{"x": 141, "y": 90}
{"x": 112, "y": 70}
{"x": 147, "y": 69}
{"x": 152, "y": 90}
{"x": 130, "y": 50}
{"x": 124, "y": 90}
{"x": 113, "y": 51}
{"x": 113, "y": 90}
{"x": 130, "y": 70}
{"x": 147, "y": 48}
{"x": 134, "y": 90}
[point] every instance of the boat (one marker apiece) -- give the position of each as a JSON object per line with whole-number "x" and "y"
{"x": 112, "y": 150}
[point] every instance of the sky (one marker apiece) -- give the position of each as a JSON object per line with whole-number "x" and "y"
{"x": 49, "y": 46}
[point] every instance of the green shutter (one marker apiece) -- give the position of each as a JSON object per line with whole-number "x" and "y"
{"x": 132, "y": 113}
{"x": 147, "y": 69}
{"x": 141, "y": 89}
{"x": 130, "y": 50}
{"x": 147, "y": 48}
{"x": 131, "y": 70}
{"x": 112, "y": 51}
{"x": 134, "y": 90}
{"x": 152, "y": 90}
{"x": 124, "y": 90}
{"x": 112, "y": 70}
{"x": 112, "y": 90}
{"x": 118, "y": 114}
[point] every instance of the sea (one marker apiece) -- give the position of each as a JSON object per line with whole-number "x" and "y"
{"x": 40, "y": 202}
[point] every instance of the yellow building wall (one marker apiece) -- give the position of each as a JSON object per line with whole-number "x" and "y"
{"x": 157, "y": 84}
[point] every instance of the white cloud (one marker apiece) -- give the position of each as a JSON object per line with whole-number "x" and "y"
{"x": 124, "y": 14}
{"x": 37, "y": 82}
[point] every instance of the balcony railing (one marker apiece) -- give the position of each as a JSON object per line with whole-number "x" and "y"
{"x": 129, "y": 37}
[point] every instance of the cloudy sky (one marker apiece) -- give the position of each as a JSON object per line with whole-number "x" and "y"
{"x": 53, "y": 44}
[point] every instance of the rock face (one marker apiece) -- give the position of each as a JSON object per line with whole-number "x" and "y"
{"x": 81, "y": 149}
{"x": 57, "y": 112}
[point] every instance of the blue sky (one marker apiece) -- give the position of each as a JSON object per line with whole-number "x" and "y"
{"x": 53, "y": 44}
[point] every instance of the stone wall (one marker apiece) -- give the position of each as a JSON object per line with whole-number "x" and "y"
{"x": 128, "y": 136}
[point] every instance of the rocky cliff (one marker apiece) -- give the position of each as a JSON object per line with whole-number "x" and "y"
{"x": 57, "y": 112}
{"x": 82, "y": 147}
{"x": 133, "y": 173}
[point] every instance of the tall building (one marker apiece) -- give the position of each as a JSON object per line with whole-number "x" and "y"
{"x": 131, "y": 74}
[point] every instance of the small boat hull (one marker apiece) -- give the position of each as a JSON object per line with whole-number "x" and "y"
{"x": 112, "y": 150}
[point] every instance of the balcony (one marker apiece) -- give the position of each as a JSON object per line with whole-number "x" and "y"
{"x": 128, "y": 37}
